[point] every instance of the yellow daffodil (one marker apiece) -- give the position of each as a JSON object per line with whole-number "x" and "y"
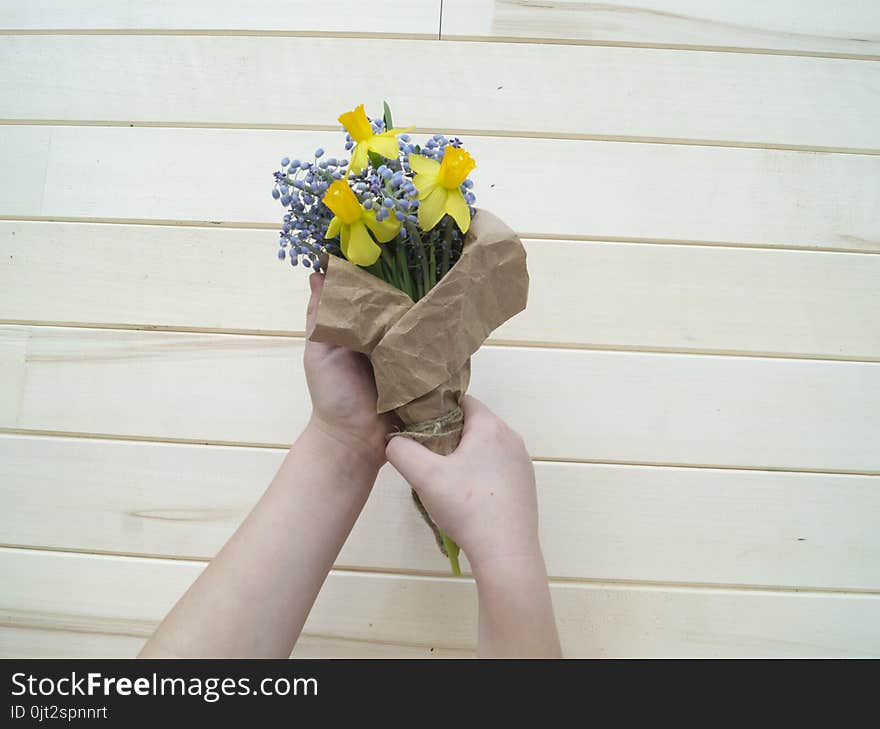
{"x": 439, "y": 186}
{"x": 351, "y": 221}
{"x": 358, "y": 126}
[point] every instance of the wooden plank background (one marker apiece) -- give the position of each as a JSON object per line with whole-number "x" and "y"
{"x": 697, "y": 375}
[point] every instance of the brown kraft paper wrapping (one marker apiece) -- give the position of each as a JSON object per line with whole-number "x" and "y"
{"x": 421, "y": 351}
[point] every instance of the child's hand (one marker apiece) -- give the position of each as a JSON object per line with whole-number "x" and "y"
{"x": 343, "y": 390}
{"x": 483, "y": 494}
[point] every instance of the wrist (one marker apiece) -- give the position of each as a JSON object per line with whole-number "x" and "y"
{"x": 361, "y": 450}
{"x": 519, "y": 564}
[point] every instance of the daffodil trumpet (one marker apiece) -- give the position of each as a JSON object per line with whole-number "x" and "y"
{"x": 439, "y": 186}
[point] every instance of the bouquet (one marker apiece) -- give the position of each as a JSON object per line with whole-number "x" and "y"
{"x": 415, "y": 276}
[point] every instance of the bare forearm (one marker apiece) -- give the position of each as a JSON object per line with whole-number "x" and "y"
{"x": 254, "y": 597}
{"x": 516, "y": 612}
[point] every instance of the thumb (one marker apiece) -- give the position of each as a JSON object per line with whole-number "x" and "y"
{"x": 413, "y": 461}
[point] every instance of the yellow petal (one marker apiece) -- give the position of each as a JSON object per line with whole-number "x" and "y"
{"x": 384, "y": 230}
{"x": 359, "y": 158}
{"x": 360, "y": 248}
{"x": 333, "y": 228}
{"x": 384, "y": 144}
{"x": 343, "y": 202}
{"x": 433, "y": 208}
{"x": 357, "y": 124}
{"x": 458, "y": 209}
{"x": 455, "y": 167}
{"x": 425, "y": 184}
{"x": 422, "y": 164}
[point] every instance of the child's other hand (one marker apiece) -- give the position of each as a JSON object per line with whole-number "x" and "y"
{"x": 483, "y": 494}
{"x": 343, "y": 390}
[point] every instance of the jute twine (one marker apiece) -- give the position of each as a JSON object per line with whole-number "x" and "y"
{"x": 440, "y": 435}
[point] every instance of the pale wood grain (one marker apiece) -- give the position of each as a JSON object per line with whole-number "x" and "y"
{"x": 596, "y": 294}
{"x": 635, "y": 93}
{"x": 51, "y": 642}
{"x": 597, "y": 521}
{"x": 577, "y": 404}
{"x": 13, "y": 351}
{"x": 309, "y": 646}
{"x": 623, "y": 190}
{"x": 408, "y": 17}
{"x": 594, "y": 620}
{"x": 849, "y": 27}
{"x": 797, "y": 26}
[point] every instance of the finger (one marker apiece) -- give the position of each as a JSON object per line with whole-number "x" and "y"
{"x": 413, "y": 461}
{"x": 481, "y": 425}
{"x": 471, "y": 406}
{"x": 476, "y": 413}
{"x": 316, "y": 284}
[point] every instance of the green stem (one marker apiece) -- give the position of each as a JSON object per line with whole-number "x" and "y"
{"x": 423, "y": 264}
{"x": 419, "y": 247}
{"x": 387, "y": 263}
{"x": 447, "y": 248}
{"x": 386, "y": 255}
{"x": 452, "y": 551}
{"x": 426, "y": 275}
{"x": 433, "y": 266}
{"x": 378, "y": 270}
{"x": 403, "y": 270}
{"x": 390, "y": 275}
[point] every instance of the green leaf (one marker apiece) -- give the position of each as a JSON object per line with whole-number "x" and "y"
{"x": 418, "y": 149}
{"x": 387, "y": 116}
{"x": 376, "y": 159}
{"x": 452, "y": 551}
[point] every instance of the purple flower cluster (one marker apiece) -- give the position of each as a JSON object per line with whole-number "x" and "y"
{"x": 387, "y": 190}
{"x": 299, "y": 187}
